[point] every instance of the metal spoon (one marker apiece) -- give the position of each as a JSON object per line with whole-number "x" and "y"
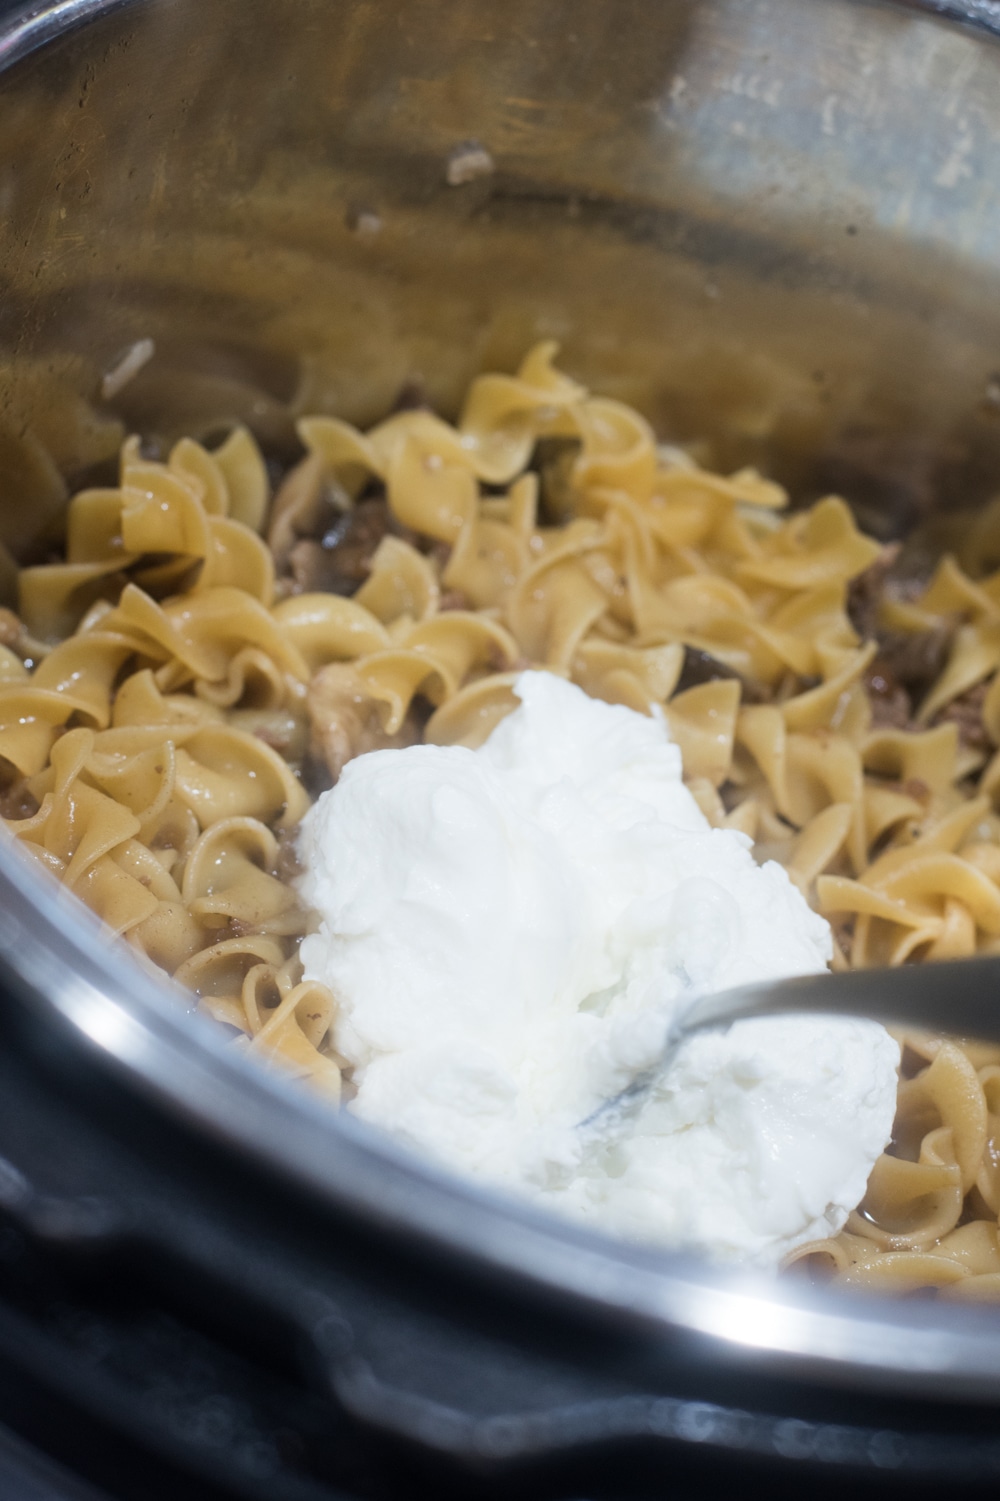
{"x": 960, "y": 997}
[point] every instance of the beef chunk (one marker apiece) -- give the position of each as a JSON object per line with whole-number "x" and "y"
{"x": 339, "y": 561}
{"x": 347, "y": 721}
{"x": 907, "y": 662}
{"x": 701, "y": 667}
{"x": 916, "y": 660}
{"x": 967, "y": 712}
{"x": 322, "y": 541}
{"x": 892, "y": 707}
{"x": 866, "y": 593}
{"x": 16, "y": 802}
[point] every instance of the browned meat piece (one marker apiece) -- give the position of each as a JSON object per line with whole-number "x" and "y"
{"x": 967, "y": 712}
{"x": 701, "y": 667}
{"x": 907, "y": 663}
{"x": 555, "y": 459}
{"x": 346, "y": 721}
{"x": 320, "y": 540}
{"x": 16, "y": 801}
{"x": 304, "y": 506}
{"x": 916, "y": 660}
{"x": 350, "y": 544}
{"x": 904, "y": 670}
{"x": 311, "y": 569}
{"x": 866, "y": 592}
{"x": 892, "y": 708}
{"x": 288, "y": 866}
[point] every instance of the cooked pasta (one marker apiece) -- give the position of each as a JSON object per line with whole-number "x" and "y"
{"x": 206, "y": 656}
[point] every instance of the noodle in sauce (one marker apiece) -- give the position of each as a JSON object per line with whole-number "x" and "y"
{"x": 205, "y": 653}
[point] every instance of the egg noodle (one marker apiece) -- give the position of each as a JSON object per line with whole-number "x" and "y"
{"x": 160, "y": 695}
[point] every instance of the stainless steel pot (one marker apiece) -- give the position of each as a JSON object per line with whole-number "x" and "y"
{"x": 772, "y": 225}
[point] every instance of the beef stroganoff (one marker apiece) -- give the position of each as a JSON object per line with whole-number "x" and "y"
{"x": 205, "y": 658}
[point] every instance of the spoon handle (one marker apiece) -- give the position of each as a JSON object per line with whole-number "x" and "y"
{"x": 958, "y": 996}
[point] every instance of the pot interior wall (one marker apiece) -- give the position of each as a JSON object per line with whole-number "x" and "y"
{"x": 773, "y": 226}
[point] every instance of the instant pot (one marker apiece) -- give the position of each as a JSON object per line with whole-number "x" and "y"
{"x": 773, "y": 226}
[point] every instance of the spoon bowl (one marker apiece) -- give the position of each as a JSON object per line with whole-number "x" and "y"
{"x": 959, "y": 997}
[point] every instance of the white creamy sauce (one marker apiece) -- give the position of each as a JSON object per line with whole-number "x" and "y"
{"x": 509, "y": 931}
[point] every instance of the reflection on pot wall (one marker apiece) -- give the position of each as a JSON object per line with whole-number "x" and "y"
{"x": 769, "y": 224}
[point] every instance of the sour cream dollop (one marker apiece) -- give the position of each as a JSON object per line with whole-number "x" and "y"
{"x": 508, "y": 932}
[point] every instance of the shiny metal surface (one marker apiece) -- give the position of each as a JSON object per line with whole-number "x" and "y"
{"x": 58, "y": 960}
{"x": 958, "y": 996}
{"x": 771, "y": 224}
